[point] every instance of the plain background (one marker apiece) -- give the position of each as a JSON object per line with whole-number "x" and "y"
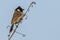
{"x": 42, "y": 23}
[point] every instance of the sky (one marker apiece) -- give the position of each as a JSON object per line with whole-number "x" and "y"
{"x": 42, "y": 23}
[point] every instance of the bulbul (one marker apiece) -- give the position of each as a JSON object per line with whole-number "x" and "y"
{"x": 17, "y": 17}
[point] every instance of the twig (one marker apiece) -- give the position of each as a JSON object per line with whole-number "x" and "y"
{"x": 17, "y": 26}
{"x": 13, "y": 32}
{"x": 29, "y": 7}
{"x": 21, "y": 34}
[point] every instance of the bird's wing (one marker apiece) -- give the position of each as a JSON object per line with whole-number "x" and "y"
{"x": 15, "y": 17}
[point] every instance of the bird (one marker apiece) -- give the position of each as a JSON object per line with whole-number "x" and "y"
{"x": 17, "y": 17}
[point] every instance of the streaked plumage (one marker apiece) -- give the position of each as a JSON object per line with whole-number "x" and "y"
{"x": 17, "y": 17}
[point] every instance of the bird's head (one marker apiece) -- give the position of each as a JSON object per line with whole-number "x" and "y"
{"x": 19, "y": 9}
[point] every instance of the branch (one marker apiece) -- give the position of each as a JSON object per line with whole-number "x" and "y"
{"x": 21, "y": 34}
{"x": 13, "y": 32}
{"x": 31, "y": 4}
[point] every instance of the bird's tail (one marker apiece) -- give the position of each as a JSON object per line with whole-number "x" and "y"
{"x": 11, "y": 28}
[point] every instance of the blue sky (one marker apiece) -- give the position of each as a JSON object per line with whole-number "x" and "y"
{"x": 42, "y": 23}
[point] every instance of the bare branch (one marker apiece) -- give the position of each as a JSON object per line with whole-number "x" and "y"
{"x": 21, "y": 34}
{"x": 30, "y": 6}
{"x": 13, "y": 33}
